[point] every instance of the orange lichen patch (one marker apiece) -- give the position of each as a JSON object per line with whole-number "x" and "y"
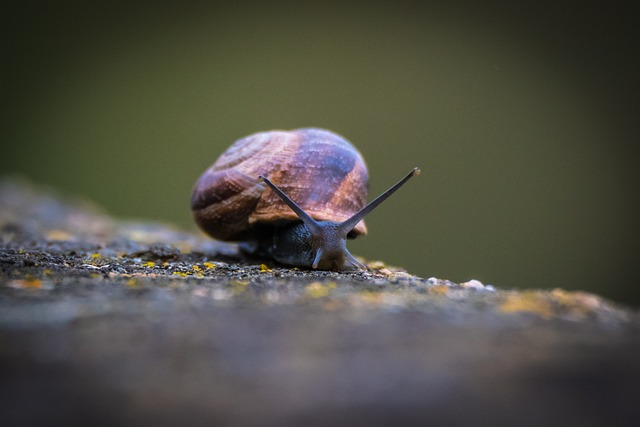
{"x": 578, "y": 304}
{"x": 438, "y": 290}
{"x": 265, "y": 269}
{"x": 527, "y": 302}
{"x": 25, "y": 284}
{"x": 318, "y": 290}
{"x": 59, "y": 235}
{"x": 585, "y": 299}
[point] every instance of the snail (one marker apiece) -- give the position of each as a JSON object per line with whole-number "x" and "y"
{"x": 291, "y": 196}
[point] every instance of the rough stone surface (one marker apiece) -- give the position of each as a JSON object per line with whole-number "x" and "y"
{"x": 120, "y": 323}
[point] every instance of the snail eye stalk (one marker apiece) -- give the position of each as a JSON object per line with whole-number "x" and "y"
{"x": 349, "y": 224}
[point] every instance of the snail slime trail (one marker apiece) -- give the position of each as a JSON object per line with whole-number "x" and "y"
{"x": 316, "y": 199}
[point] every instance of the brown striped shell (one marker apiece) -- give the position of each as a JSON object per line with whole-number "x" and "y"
{"x": 319, "y": 170}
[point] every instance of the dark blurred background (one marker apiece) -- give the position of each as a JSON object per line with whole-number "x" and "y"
{"x": 522, "y": 116}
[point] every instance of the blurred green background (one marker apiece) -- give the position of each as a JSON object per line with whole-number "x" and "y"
{"x": 523, "y": 118}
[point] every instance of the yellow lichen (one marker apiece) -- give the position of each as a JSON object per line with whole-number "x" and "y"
{"x": 197, "y": 271}
{"x": 318, "y": 290}
{"x": 96, "y": 256}
{"x": 376, "y": 264}
{"x": 239, "y": 286}
{"x": 180, "y": 273}
{"x": 527, "y": 302}
{"x": 149, "y": 264}
{"x": 265, "y": 269}
{"x": 209, "y": 265}
{"x": 368, "y": 297}
{"x": 438, "y": 289}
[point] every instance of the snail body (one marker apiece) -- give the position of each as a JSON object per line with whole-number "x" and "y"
{"x": 318, "y": 191}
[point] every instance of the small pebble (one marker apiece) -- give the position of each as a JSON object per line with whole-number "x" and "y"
{"x": 476, "y": 284}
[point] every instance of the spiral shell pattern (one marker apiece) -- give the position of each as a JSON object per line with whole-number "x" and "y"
{"x": 319, "y": 170}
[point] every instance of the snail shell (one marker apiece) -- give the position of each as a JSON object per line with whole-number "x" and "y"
{"x": 321, "y": 171}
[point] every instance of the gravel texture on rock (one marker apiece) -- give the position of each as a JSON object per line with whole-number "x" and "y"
{"x": 104, "y": 321}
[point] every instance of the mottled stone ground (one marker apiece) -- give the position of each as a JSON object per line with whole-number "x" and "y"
{"x": 118, "y": 323}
